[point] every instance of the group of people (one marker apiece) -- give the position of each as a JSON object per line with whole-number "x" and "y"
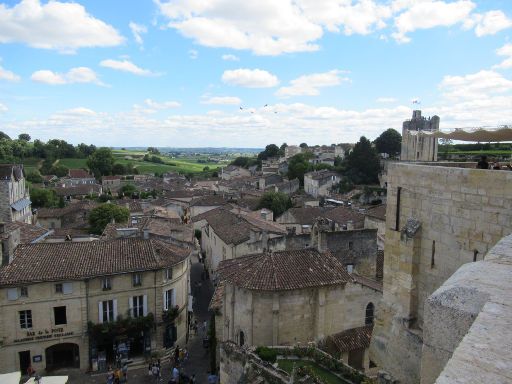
{"x": 118, "y": 375}
{"x": 484, "y": 164}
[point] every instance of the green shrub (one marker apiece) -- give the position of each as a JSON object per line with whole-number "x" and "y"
{"x": 267, "y": 354}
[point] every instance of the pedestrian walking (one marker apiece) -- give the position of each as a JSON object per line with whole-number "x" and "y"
{"x": 176, "y": 374}
{"x": 205, "y": 326}
{"x": 110, "y": 375}
{"x": 177, "y": 355}
{"x": 125, "y": 372}
{"x": 117, "y": 376}
{"x": 155, "y": 371}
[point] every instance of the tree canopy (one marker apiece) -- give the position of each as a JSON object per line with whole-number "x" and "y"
{"x": 104, "y": 214}
{"x": 298, "y": 165}
{"x": 363, "y": 163}
{"x": 389, "y": 142}
{"x": 24, "y": 137}
{"x": 277, "y": 202}
{"x": 46, "y": 198}
{"x": 270, "y": 150}
{"x": 101, "y": 162}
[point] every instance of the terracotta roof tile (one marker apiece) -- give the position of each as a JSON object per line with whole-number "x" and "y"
{"x": 284, "y": 270}
{"x": 378, "y": 212}
{"x": 78, "y": 190}
{"x": 80, "y": 260}
{"x": 367, "y": 282}
{"x": 342, "y": 215}
{"x": 79, "y": 174}
{"x": 28, "y": 232}
{"x": 84, "y": 205}
{"x": 351, "y": 339}
{"x": 217, "y": 298}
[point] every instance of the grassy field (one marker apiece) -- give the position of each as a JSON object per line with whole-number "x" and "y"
{"x": 134, "y": 158}
{"x": 324, "y": 375}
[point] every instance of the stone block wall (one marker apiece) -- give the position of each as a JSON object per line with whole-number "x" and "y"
{"x": 463, "y": 212}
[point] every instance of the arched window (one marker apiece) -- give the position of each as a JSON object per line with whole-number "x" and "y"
{"x": 368, "y": 320}
{"x": 241, "y": 338}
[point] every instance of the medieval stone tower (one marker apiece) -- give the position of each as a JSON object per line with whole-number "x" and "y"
{"x": 15, "y": 202}
{"x": 417, "y": 146}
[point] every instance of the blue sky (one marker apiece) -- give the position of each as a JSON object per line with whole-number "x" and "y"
{"x": 175, "y": 73}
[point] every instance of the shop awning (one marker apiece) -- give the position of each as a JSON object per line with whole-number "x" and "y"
{"x": 482, "y": 134}
{"x": 10, "y": 378}
{"x": 20, "y": 204}
{"x": 49, "y": 380}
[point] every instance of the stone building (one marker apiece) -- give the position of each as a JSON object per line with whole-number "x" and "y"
{"x": 320, "y": 183}
{"x": 233, "y": 172}
{"x": 15, "y": 204}
{"x": 78, "y": 177}
{"x": 375, "y": 218}
{"x": 57, "y": 301}
{"x": 74, "y": 215}
{"x": 439, "y": 216}
{"x": 228, "y": 234}
{"x": 292, "y": 150}
{"x": 112, "y": 183}
{"x": 417, "y": 146}
{"x": 287, "y": 297}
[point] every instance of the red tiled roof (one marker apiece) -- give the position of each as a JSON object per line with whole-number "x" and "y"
{"x": 379, "y": 212}
{"x": 342, "y": 215}
{"x": 351, "y": 339}
{"x": 84, "y": 205}
{"x": 111, "y": 178}
{"x": 367, "y": 282}
{"x": 284, "y": 270}
{"x": 28, "y": 232}
{"x": 79, "y": 174}
{"x": 78, "y": 190}
{"x": 80, "y": 260}
{"x": 217, "y": 298}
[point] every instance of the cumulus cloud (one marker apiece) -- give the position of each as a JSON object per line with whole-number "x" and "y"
{"x": 506, "y": 50}
{"x": 221, "y": 100}
{"x": 54, "y": 25}
{"x": 431, "y": 14}
{"x": 74, "y": 75}
{"x": 3, "y": 108}
{"x": 250, "y": 78}
{"x": 8, "y": 75}
{"x": 491, "y": 23}
{"x": 230, "y": 58}
{"x": 161, "y": 105}
{"x": 126, "y": 66}
{"x": 475, "y": 86}
{"x": 386, "y": 100}
{"x": 308, "y": 85}
{"x": 137, "y": 31}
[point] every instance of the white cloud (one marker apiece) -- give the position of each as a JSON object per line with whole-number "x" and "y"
{"x": 230, "y": 57}
{"x": 506, "y": 50}
{"x": 8, "y": 75}
{"x": 74, "y": 75}
{"x": 491, "y": 23}
{"x": 162, "y": 105}
{"x": 308, "y": 85}
{"x": 250, "y": 78}
{"x": 386, "y": 100}
{"x": 126, "y": 66}
{"x": 54, "y": 25}
{"x": 222, "y": 100}
{"x": 430, "y": 14}
{"x": 137, "y": 31}
{"x": 475, "y": 86}
{"x": 193, "y": 54}
{"x": 3, "y": 108}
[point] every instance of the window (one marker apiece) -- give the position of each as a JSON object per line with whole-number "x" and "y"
{"x": 169, "y": 299}
{"x": 23, "y": 292}
{"x": 12, "y": 294}
{"x": 58, "y": 288}
{"x": 137, "y": 279}
{"x": 350, "y": 268}
{"x": 350, "y": 245}
{"x": 368, "y": 320}
{"x": 106, "y": 283}
{"x": 432, "y": 258}
{"x": 25, "y": 319}
{"x": 137, "y": 306}
{"x": 107, "y": 311}
{"x": 475, "y": 255}
{"x": 59, "y": 314}
{"x": 168, "y": 274}
{"x": 397, "y": 216}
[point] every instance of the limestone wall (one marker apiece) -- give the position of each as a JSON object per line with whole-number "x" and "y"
{"x": 463, "y": 212}
{"x": 467, "y": 330}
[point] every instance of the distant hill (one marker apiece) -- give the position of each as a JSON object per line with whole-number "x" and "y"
{"x": 204, "y": 150}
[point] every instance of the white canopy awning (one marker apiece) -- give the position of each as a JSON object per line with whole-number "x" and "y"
{"x": 49, "y": 380}
{"x": 471, "y": 134}
{"x": 10, "y": 378}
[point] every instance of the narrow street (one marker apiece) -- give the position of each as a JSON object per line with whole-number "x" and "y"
{"x": 199, "y": 360}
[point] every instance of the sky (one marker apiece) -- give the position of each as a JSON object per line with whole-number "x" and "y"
{"x": 231, "y": 73}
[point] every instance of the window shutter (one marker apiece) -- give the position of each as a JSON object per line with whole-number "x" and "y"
{"x": 12, "y": 294}
{"x": 115, "y": 310}
{"x": 67, "y": 288}
{"x": 100, "y": 312}
{"x": 130, "y": 305}
{"x": 145, "y": 305}
{"x": 164, "y": 304}
{"x": 173, "y": 297}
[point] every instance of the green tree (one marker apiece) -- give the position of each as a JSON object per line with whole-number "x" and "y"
{"x": 41, "y": 197}
{"x": 363, "y": 163}
{"x": 153, "y": 150}
{"x": 58, "y": 170}
{"x": 390, "y": 142}
{"x": 34, "y": 177}
{"x": 104, "y": 214}
{"x": 303, "y": 145}
{"x": 271, "y": 150}
{"x": 118, "y": 169}
{"x": 4, "y": 136}
{"x": 298, "y": 165}
{"x": 101, "y": 162}
{"x": 24, "y": 136}
{"x": 277, "y": 202}
{"x": 127, "y": 190}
